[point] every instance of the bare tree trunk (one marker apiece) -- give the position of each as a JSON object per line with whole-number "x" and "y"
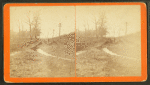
{"x": 96, "y": 30}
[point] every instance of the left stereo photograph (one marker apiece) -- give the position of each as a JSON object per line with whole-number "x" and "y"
{"x": 42, "y": 41}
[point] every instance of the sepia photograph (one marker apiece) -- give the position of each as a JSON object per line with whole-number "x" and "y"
{"x": 42, "y": 41}
{"x": 108, "y": 41}
{"x": 72, "y": 42}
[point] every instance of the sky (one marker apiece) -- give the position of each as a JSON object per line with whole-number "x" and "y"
{"x": 50, "y": 17}
{"x": 116, "y": 18}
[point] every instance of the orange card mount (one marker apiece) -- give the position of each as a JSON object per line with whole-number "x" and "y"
{"x": 75, "y": 42}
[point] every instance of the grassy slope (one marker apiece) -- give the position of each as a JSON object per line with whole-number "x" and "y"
{"x": 129, "y": 46}
{"x": 97, "y": 63}
{"x": 91, "y": 63}
{"x": 24, "y": 64}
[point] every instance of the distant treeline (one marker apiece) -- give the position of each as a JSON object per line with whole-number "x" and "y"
{"x": 90, "y": 35}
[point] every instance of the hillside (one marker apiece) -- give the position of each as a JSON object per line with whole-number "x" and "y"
{"x": 96, "y": 62}
{"x": 129, "y": 45}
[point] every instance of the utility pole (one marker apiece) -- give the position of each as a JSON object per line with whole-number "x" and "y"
{"x": 96, "y": 28}
{"x": 47, "y": 37}
{"x": 53, "y": 34}
{"x": 22, "y": 25}
{"x": 19, "y": 28}
{"x": 59, "y": 29}
{"x": 114, "y": 35}
{"x": 126, "y": 29}
{"x": 76, "y": 31}
{"x": 85, "y": 32}
{"x": 88, "y": 33}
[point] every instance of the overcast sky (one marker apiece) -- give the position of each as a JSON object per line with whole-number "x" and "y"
{"x": 50, "y": 16}
{"x": 115, "y": 18}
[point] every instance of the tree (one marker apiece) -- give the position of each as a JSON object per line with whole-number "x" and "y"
{"x": 96, "y": 23}
{"x": 88, "y": 32}
{"x": 87, "y": 29}
{"x": 29, "y": 22}
{"x": 36, "y": 29}
{"x": 102, "y": 30}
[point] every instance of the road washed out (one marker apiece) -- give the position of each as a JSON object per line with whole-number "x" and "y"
{"x": 111, "y": 53}
{"x": 44, "y": 53}
{"x": 80, "y": 52}
{"x": 14, "y": 53}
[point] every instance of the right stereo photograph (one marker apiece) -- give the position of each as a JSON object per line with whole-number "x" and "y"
{"x": 108, "y": 41}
